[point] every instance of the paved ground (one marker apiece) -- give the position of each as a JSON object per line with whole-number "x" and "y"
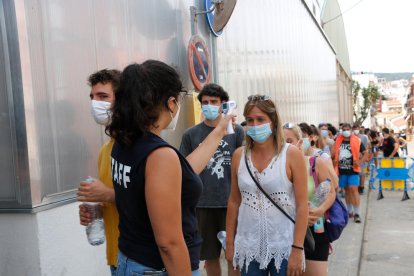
{"x": 344, "y": 260}
{"x": 388, "y": 247}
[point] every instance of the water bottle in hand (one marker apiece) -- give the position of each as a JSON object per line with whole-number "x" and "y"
{"x": 221, "y": 236}
{"x": 321, "y": 192}
{"x": 95, "y": 231}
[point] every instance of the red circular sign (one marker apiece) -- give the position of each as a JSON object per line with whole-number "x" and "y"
{"x": 199, "y": 62}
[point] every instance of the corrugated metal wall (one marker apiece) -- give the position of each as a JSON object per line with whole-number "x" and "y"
{"x": 276, "y": 48}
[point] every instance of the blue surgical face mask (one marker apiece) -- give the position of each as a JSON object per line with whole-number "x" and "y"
{"x": 210, "y": 112}
{"x": 324, "y": 133}
{"x": 305, "y": 144}
{"x": 259, "y": 133}
{"x": 346, "y": 133}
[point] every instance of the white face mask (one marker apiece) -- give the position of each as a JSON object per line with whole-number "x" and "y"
{"x": 174, "y": 120}
{"x": 101, "y": 112}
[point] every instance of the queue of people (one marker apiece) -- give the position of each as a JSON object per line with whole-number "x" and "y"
{"x": 267, "y": 185}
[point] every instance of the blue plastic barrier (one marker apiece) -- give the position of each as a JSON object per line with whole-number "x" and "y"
{"x": 391, "y": 174}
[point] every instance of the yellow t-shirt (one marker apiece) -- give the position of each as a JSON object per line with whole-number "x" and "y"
{"x": 110, "y": 213}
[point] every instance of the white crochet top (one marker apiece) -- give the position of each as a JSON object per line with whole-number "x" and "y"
{"x": 263, "y": 231}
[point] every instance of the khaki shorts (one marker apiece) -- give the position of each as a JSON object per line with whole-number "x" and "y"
{"x": 210, "y": 222}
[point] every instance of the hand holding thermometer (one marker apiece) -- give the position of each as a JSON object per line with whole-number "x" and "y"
{"x": 228, "y": 108}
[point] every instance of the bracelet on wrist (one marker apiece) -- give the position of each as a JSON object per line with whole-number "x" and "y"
{"x": 297, "y": 247}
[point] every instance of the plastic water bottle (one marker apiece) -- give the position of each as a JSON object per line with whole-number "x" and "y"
{"x": 221, "y": 236}
{"x": 321, "y": 192}
{"x": 95, "y": 231}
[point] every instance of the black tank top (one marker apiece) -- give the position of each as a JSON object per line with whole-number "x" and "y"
{"x": 136, "y": 238}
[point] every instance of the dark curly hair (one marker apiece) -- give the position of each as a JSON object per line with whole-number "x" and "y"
{"x": 105, "y": 76}
{"x": 213, "y": 90}
{"x": 143, "y": 91}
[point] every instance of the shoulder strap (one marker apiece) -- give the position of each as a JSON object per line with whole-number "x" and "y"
{"x": 261, "y": 189}
{"x": 312, "y": 162}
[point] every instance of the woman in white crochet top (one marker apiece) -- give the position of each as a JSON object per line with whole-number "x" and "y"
{"x": 261, "y": 240}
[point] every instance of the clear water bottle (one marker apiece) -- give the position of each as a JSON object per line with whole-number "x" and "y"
{"x": 321, "y": 192}
{"x": 221, "y": 236}
{"x": 95, "y": 231}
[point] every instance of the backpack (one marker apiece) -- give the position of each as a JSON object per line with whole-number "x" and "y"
{"x": 336, "y": 218}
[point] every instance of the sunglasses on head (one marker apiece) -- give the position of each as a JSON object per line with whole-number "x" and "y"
{"x": 289, "y": 125}
{"x": 258, "y": 98}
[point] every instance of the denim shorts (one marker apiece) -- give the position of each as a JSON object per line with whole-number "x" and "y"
{"x": 129, "y": 267}
{"x": 254, "y": 269}
{"x": 113, "y": 270}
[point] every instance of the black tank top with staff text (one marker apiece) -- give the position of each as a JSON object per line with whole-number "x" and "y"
{"x": 136, "y": 238}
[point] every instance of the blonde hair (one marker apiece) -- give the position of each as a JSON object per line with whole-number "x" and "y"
{"x": 295, "y": 129}
{"x": 267, "y": 106}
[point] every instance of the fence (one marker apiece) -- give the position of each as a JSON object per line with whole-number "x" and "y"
{"x": 392, "y": 174}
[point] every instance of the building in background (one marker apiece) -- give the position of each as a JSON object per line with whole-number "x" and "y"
{"x": 390, "y": 111}
{"x": 410, "y": 105}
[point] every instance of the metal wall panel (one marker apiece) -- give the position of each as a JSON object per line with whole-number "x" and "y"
{"x": 335, "y": 30}
{"x": 8, "y": 186}
{"x": 276, "y": 48}
{"x": 60, "y": 43}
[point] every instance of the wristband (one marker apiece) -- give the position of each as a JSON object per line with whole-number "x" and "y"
{"x": 297, "y": 247}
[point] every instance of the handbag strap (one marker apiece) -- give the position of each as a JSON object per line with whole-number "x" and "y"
{"x": 268, "y": 197}
{"x": 312, "y": 162}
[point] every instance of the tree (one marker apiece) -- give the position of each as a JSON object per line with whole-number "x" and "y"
{"x": 369, "y": 95}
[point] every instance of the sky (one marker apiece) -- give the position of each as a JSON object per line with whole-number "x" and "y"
{"x": 380, "y": 35}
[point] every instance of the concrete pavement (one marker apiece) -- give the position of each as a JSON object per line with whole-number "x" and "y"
{"x": 388, "y": 247}
{"x": 344, "y": 260}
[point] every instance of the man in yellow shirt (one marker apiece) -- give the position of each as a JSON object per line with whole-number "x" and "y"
{"x": 104, "y": 84}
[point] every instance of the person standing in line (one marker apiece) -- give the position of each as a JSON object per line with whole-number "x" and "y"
{"x": 332, "y": 133}
{"x": 401, "y": 142}
{"x": 156, "y": 187}
{"x": 308, "y": 135}
{"x": 374, "y": 146}
{"x": 316, "y": 261}
{"x": 325, "y": 133}
{"x": 347, "y": 163}
{"x": 360, "y": 132}
{"x": 104, "y": 85}
{"x": 380, "y": 142}
{"x": 389, "y": 145}
{"x": 403, "y": 135}
{"x": 318, "y": 143}
{"x": 261, "y": 240}
{"x": 216, "y": 176}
